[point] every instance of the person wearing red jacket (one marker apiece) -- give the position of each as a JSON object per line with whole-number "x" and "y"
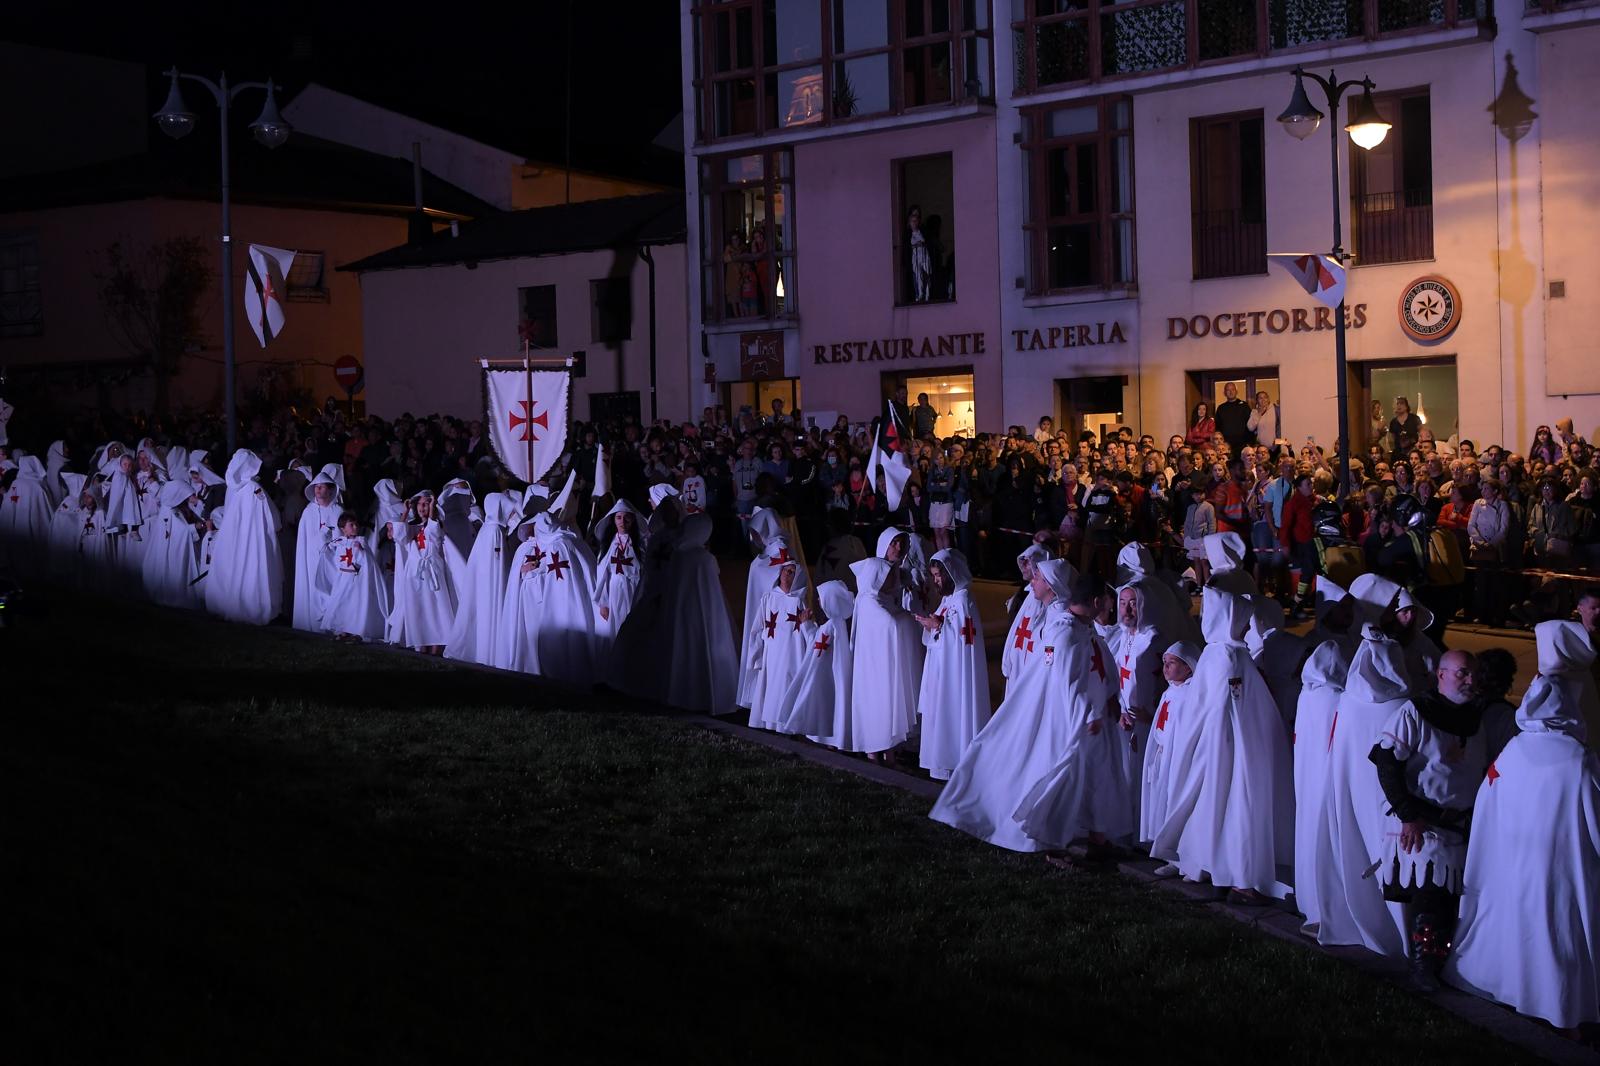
{"x": 1299, "y": 546}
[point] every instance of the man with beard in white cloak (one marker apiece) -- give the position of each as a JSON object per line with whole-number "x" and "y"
{"x": 954, "y": 697}
{"x": 888, "y": 663}
{"x": 817, "y": 704}
{"x": 1231, "y": 819}
{"x": 566, "y": 640}
{"x": 172, "y": 558}
{"x": 1165, "y": 608}
{"x": 1529, "y": 935}
{"x": 1031, "y": 731}
{"x": 1177, "y": 669}
{"x": 483, "y": 591}
{"x": 1086, "y": 793}
{"x": 1321, "y": 686}
{"x": 780, "y": 644}
{"x": 425, "y": 580}
{"x": 313, "y": 566}
{"x": 619, "y": 570}
{"x": 1354, "y": 818}
{"x": 1137, "y": 649}
{"x": 1430, "y": 758}
{"x": 245, "y": 579}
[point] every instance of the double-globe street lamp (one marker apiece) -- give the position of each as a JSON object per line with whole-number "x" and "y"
{"x": 1367, "y": 128}
{"x": 176, "y": 121}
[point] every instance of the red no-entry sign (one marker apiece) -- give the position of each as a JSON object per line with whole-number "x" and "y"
{"x": 347, "y": 371}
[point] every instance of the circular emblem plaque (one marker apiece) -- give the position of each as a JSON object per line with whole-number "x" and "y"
{"x": 1430, "y": 309}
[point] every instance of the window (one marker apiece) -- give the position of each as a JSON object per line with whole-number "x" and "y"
{"x": 1080, "y": 221}
{"x": 1228, "y": 196}
{"x": 1391, "y": 186}
{"x": 610, "y": 310}
{"x": 21, "y": 310}
{"x": 925, "y": 241}
{"x": 1059, "y": 42}
{"x": 766, "y": 65}
{"x": 747, "y": 236}
{"x": 306, "y": 278}
{"x": 536, "y": 320}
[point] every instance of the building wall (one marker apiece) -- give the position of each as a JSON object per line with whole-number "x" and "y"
{"x": 72, "y": 246}
{"x": 544, "y": 185}
{"x": 427, "y": 328}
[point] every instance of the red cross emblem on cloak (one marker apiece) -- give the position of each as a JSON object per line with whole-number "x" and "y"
{"x": 1161, "y": 719}
{"x": 621, "y": 559}
{"x": 968, "y": 630}
{"x": 422, "y": 540}
{"x": 348, "y": 558}
{"x": 1024, "y": 634}
{"x": 1097, "y": 663}
{"x": 15, "y": 497}
{"x": 558, "y": 564}
{"x": 772, "y": 624}
{"x": 794, "y": 619}
{"x": 822, "y": 644}
{"x": 537, "y": 556}
{"x": 527, "y": 420}
{"x": 1123, "y": 673}
{"x": 1493, "y": 775}
{"x": 781, "y": 558}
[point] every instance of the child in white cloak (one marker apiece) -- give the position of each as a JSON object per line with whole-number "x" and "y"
{"x": 357, "y": 604}
{"x": 124, "y": 514}
{"x": 619, "y": 570}
{"x": 171, "y": 559}
{"x": 425, "y": 588}
{"x": 517, "y": 635}
{"x": 954, "y": 697}
{"x": 772, "y": 551}
{"x": 779, "y": 641}
{"x": 66, "y": 530}
{"x": 817, "y": 703}
{"x": 94, "y": 546}
{"x": 317, "y": 527}
{"x": 1177, "y": 667}
{"x": 208, "y": 543}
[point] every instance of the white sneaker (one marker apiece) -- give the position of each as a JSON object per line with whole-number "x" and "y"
{"x": 1167, "y": 870}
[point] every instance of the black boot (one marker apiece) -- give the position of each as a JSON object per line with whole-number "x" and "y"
{"x": 1428, "y": 948}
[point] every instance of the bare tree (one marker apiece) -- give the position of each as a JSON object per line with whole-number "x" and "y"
{"x": 151, "y": 300}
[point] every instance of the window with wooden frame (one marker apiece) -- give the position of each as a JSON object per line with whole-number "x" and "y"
{"x": 925, "y": 242}
{"x": 1391, "y": 186}
{"x": 769, "y": 65}
{"x": 1063, "y": 42}
{"x": 1080, "y": 187}
{"x": 307, "y": 279}
{"x": 21, "y": 309}
{"x": 1227, "y": 195}
{"x": 747, "y": 236}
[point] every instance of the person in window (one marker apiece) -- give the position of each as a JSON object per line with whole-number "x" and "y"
{"x": 1403, "y": 428}
{"x": 758, "y": 247}
{"x": 732, "y": 273}
{"x": 939, "y": 279}
{"x": 921, "y": 261}
{"x": 1266, "y": 420}
{"x": 1201, "y": 426}
{"x": 1378, "y": 427}
{"x": 923, "y": 417}
{"x": 1233, "y": 418}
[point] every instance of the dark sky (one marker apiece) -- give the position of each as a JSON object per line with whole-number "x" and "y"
{"x": 495, "y": 72}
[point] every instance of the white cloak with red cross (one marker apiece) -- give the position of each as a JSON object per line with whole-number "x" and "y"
{"x": 357, "y": 601}
{"x": 1139, "y": 684}
{"x": 566, "y": 645}
{"x": 313, "y": 566}
{"x": 619, "y": 570}
{"x": 1529, "y": 935}
{"x": 775, "y": 551}
{"x": 482, "y": 594}
{"x": 1166, "y": 733}
{"x": 425, "y": 572}
{"x": 817, "y": 703}
{"x": 517, "y": 634}
{"x": 954, "y": 697}
{"x": 780, "y": 641}
{"x": 888, "y": 662}
{"x": 245, "y": 580}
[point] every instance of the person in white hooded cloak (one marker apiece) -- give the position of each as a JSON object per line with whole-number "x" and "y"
{"x": 1030, "y": 731}
{"x": 426, "y": 566}
{"x": 459, "y": 515}
{"x": 66, "y": 530}
{"x": 619, "y": 570}
{"x": 517, "y": 633}
{"x": 566, "y": 632}
{"x": 954, "y": 697}
{"x": 313, "y": 565}
{"x": 1231, "y": 818}
{"x": 1225, "y": 552}
{"x": 387, "y": 508}
{"x": 1027, "y": 610}
{"x": 96, "y": 564}
{"x": 1529, "y": 932}
{"x": 124, "y": 512}
{"x": 1177, "y": 669}
{"x": 888, "y": 662}
{"x": 773, "y": 549}
{"x": 245, "y": 581}
{"x": 25, "y": 519}
{"x": 483, "y": 592}
{"x": 817, "y": 703}
{"x": 356, "y": 607}
{"x": 779, "y": 643}
{"x": 209, "y": 531}
{"x": 1165, "y": 608}
{"x": 172, "y": 558}
{"x": 55, "y": 465}
{"x": 1321, "y": 685}
{"x": 1138, "y": 648}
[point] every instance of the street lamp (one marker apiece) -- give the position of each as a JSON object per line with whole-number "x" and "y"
{"x": 176, "y": 121}
{"x": 1367, "y": 128}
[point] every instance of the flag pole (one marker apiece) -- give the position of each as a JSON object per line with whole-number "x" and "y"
{"x": 527, "y": 364}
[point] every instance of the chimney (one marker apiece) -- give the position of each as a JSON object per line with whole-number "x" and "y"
{"x": 418, "y": 228}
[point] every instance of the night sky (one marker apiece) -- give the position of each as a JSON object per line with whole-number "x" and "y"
{"x": 493, "y": 72}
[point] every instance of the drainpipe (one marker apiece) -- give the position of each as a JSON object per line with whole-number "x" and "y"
{"x": 649, "y": 260}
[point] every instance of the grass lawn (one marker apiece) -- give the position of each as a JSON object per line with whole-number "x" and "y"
{"x": 227, "y": 844}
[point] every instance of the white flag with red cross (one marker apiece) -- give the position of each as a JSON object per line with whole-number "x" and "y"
{"x": 265, "y": 273}
{"x": 1322, "y": 276}
{"x": 527, "y": 415}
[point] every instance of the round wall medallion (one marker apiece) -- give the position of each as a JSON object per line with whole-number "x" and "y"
{"x": 1430, "y": 309}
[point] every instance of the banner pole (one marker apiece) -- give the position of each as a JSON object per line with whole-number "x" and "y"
{"x": 527, "y": 364}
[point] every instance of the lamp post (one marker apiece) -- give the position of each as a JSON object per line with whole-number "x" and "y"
{"x": 1367, "y": 128}
{"x": 176, "y": 121}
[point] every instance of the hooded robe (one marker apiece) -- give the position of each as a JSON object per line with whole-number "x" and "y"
{"x": 954, "y": 697}
{"x": 313, "y": 565}
{"x": 780, "y": 642}
{"x": 817, "y": 703}
{"x": 567, "y": 648}
{"x": 888, "y": 662}
{"x": 1321, "y": 686}
{"x": 483, "y": 591}
{"x": 1171, "y": 714}
{"x": 245, "y": 582}
{"x": 357, "y": 601}
{"x": 172, "y": 557}
{"x": 619, "y": 571}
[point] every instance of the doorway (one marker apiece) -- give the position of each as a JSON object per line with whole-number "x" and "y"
{"x": 1428, "y": 385}
{"x": 1091, "y": 405}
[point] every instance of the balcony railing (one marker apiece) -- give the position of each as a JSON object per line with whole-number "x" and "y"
{"x": 1227, "y": 244}
{"x": 1393, "y": 227}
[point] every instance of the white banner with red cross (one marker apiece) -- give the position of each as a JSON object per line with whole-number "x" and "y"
{"x": 527, "y": 412}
